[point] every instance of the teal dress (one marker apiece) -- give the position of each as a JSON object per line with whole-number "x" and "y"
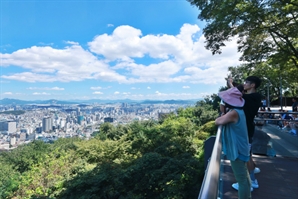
{"x": 235, "y": 139}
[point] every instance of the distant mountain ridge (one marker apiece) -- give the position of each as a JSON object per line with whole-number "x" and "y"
{"x": 8, "y": 101}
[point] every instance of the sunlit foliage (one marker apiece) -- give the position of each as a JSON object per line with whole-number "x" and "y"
{"x": 149, "y": 159}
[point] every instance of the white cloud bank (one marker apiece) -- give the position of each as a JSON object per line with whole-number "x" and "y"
{"x": 46, "y": 88}
{"x": 111, "y": 58}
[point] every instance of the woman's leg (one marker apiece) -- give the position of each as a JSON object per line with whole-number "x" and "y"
{"x": 241, "y": 174}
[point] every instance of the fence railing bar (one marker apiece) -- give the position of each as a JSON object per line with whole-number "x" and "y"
{"x": 209, "y": 188}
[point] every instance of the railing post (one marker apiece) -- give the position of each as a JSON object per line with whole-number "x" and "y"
{"x": 208, "y": 147}
{"x": 210, "y": 185}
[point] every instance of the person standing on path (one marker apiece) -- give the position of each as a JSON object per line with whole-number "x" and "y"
{"x": 235, "y": 139}
{"x": 294, "y": 105}
{"x": 251, "y": 107}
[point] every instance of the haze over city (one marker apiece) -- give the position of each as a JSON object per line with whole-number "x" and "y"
{"x": 123, "y": 49}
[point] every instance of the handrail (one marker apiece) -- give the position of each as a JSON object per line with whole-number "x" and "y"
{"x": 268, "y": 119}
{"x": 277, "y": 112}
{"x": 209, "y": 188}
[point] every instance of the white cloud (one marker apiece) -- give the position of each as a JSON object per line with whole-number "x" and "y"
{"x": 46, "y": 88}
{"x": 110, "y": 58}
{"x": 46, "y": 44}
{"x": 95, "y": 88}
{"x": 43, "y": 93}
{"x": 116, "y": 92}
{"x": 56, "y": 89}
{"x": 97, "y": 93}
{"x": 30, "y": 77}
{"x": 123, "y": 43}
{"x": 72, "y": 42}
{"x": 7, "y": 93}
{"x": 174, "y": 51}
{"x": 185, "y": 87}
{"x": 46, "y": 64}
{"x": 149, "y": 87}
{"x": 177, "y": 96}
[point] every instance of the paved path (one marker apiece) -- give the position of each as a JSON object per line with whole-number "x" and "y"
{"x": 283, "y": 143}
{"x": 276, "y": 154}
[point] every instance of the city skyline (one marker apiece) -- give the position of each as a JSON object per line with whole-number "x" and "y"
{"x": 108, "y": 50}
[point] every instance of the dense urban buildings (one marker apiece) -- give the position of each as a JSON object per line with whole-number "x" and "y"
{"x": 50, "y": 122}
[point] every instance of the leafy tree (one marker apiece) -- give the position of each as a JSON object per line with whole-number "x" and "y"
{"x": 99, "y": 152}
{"x": 207, "y": 112}
{"x": 151, "y": 160}
{"x": 105, "y": 131}
{"x": 23, "y": 157}
{"x": 151, "y": 176}
{"x": 46, "y": 178}
{"x": 146, "y": 159}
{"x": 102, "y": 182}
{"x": 66, "y": 144}
{"x": 156, "y": 176}
{"x": 109, "y": 131}
{"x": 9, "y": 179}
{"x": 266, "y": 29}
{"x": 212, "y": 100}
{"x": 163, "y": 117}
{"x": 272, "y": 75}
{"x": 210, "y": 128}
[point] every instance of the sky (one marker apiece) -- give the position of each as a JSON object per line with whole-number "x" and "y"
{"x": 107, "y": 49}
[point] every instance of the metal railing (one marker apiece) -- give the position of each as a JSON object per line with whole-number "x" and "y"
{"x": 210, "y": 184}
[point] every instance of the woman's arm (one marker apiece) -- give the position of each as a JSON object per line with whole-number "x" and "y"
{"x": 229, "y": 117}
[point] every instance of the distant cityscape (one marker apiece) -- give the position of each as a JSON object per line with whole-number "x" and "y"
{"x": 21, "y": 122}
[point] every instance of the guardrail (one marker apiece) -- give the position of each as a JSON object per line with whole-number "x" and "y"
{"x": 210, "y": 184}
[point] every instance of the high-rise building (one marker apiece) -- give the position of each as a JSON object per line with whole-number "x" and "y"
{"x": 78, "y": 111}
{"x": 13, "y": 141}
{"x": 80, "y": 119}
{"x": 62, "y": 123}
{"x": 109, "y": 119}
{"x": 47, "y": 124}
{"x": 23, "y": 136}
{"x": 38, "y": 129}
{"x": 9, "y": 126}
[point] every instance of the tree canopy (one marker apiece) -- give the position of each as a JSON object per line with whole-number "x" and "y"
{"x": 276, "y": 79}
{"x": 148, "y": 159}
{"x": 266, "y": 29}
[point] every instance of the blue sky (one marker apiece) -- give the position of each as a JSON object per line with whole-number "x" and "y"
{"x": 107, "y": 49}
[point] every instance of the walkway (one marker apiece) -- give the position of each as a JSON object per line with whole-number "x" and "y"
{"x": 276, "y": 154}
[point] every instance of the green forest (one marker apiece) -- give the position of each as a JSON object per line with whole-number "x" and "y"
{"x": 162, "y": 159}
{"x": 149, "y": 159}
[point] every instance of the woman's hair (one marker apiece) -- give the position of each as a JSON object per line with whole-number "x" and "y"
{"x": 232, "y": 107}
{"x": 240, "y": 87}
